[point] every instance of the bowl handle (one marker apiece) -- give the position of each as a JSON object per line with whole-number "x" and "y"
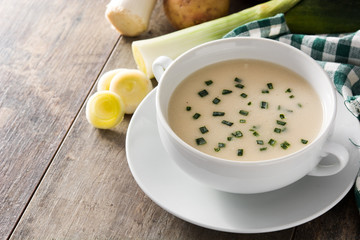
{"x": 159, "y": 66}
{"x": 341, "y": 155}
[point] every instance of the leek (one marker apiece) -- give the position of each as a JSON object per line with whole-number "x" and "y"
{"x": 176, "y": 43}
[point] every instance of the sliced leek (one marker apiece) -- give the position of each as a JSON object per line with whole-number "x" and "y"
{"x": 132, "y": 85}
{"x": 176, "y": 43}
{"x": 105, "y": 79}
{"x": 105, "y": 109}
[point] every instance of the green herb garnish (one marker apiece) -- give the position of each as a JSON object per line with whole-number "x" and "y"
{"x": 264, "y": 105}
{"x": 263, "y": 149}
{"x": 272, "y": 142}
{"x": 221, "y": 145}
{"x": 260, "y": 142}
{"x": 203, "y": 130}
{"x": 265, "y": 91}
{"x": 304, "y": 141}
{"x": 237, "y": 80}
{"x": 285, "y": 145}
{"x": 242, "y": 120}
{"x": 216, "y": 100}
{"x": 249, "y": 103}
{"x": 217, "y": 149}
{"x": 239, "y": 85}
{"x": 288, "y": 90}
{"x": 226, "y": 91}
{"x": 291, "y": 96}
{"x": 281, "y": 122}
{"x": 196, "y": 115}
{"x": 282, "y": 116}
{"x": 277, "y": 130}
{"x": 270, "y": 86}
{"x": 256, "y": 134}
{"x": 237, "y": 134}
{"x": 209, "y": 82}
{"x": 244, "y": 95}
{"x": 216, "y": 114}
{"x": 203, "y": 93}
{"x": 243, "y": 112}
{"x": 240, "y": 152}
{"x": 188, "y": 108}
{"x": 300, "y": 105}
{"x": 200, "y": 141}
{"x": 229, "y": 138}
{"x": 227, "y": 123}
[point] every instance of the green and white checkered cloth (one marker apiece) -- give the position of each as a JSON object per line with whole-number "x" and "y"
{"x": 339, "y": 55}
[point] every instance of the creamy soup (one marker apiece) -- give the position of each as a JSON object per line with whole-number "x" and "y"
{"x": 245, "y": 110}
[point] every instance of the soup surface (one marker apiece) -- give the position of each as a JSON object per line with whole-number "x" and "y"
{"x": 245, "y": 110}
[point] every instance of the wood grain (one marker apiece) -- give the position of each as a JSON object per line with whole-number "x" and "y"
{"x": 88, "y": 191}
{"x": 50, "y": 55}
{"x": 341, "y": 223}
{"x": 60, "y": 178}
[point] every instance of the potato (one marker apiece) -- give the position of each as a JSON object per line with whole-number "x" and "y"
{"x": 186, "y": 13}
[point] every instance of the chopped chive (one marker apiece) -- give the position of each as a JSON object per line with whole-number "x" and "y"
{"x": 272, "y": 142}
{"x": 242, "y": 120}
{"x": 217, "y": 149}
{"x": 281, "y": 122}
{"x": 291, "y": 96}
{"x": 263, "y": 149}
{"x": 227, "y": 123}
{"x": 203, "y": 130}
{"x": 243, "y": 112}
{"x": 216, "y": 114}
{"x": 284, "y": 129}
{"x": 264, "y": 105}
{"x": 216, "y": 100}
{"x": 265, "y": 91}
{"x": 256, "y": 134}
{"x": 239, "y": 85}
{"x": 200, "y": 141}
{"x": 270, "y": 86}
{"x": 304, "y": 141}
{"x": 285, "y": 145}
{"x": 196, "y": 115}
{"x": 244, "y": 95}
{"x": 249, "y": 103}
{"x": 237, "y": 80}
{"x": 260, "y": 142}
{"x": 221, "y": 145}
{"x": 288, "y": 90}
{"x": 203, "y": 93}
{"x": 226, "y": 91}
{"x": 289, "y": 110}
{"x": 240, "y": 152}
{"x": 299, "y": 105}
{"x": 209, "y": 82}
{"x": 229, "y": 138}
{"x": 237, "y": 134}
{"x": 282, "y": 116}
{"x": 188, "y": 108}
{"x": 277, "y": 130}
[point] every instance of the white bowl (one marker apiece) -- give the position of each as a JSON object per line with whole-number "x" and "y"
{"x": 248, "y": 176}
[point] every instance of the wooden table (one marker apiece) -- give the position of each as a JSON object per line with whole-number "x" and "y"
{"x": 60, "y": 178}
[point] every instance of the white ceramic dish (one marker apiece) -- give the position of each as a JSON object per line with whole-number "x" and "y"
{"x": 248, "y": 176}
{"x": 180, "y": 195}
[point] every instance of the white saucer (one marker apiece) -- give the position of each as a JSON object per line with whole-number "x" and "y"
{"x": 180, "y": 195}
